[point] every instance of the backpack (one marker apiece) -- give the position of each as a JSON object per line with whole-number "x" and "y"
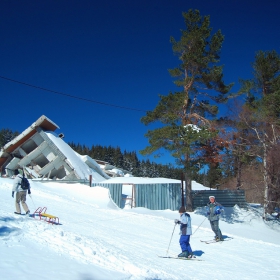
{"x": 24, "y": 183}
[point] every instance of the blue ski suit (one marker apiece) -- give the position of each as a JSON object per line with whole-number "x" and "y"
{"x": 185, "y": 232}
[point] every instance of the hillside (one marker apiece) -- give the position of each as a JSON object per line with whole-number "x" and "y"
{"x": 97, "y": 240}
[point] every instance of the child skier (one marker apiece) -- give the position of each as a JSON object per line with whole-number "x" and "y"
{"x": 185, "y": 232}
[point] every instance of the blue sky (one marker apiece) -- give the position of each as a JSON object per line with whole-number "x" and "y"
{"x": 112, "y": 52}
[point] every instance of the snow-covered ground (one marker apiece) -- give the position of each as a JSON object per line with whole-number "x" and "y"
{"x": 97, "y": 240}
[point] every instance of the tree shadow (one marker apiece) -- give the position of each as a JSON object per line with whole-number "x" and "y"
{"x": 235, "y": 214}
{"x": 6, "y": 231}
{"x": 7, "y": 219}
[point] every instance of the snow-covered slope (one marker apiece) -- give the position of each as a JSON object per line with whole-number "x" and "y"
{"x": 97, "y": 240}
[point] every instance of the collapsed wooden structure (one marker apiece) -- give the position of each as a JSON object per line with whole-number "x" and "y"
{"x": 44, "y": 155}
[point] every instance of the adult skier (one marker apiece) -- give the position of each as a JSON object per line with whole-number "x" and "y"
{"x": 214, "y": 210}
{"x": 20, "y": 194}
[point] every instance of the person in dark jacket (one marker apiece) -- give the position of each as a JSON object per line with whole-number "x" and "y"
{"x": 185, "y": 232}
{"x": 20, "y": 194}
{"x": 214, "y": 210}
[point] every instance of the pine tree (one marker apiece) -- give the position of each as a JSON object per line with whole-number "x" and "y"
{"x": 260, "y": 115}
{"x": 184, "y": 116}
{"x": 118, "y": 158}
{"x": 7, "y": 135}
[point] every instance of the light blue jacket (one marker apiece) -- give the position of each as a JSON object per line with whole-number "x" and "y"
{"x": 185, "y": 224}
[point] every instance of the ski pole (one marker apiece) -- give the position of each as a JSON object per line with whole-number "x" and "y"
{"x": 170, "y": 240}
{"x": 32, "y": 201}
{"x": 199, "y": 226}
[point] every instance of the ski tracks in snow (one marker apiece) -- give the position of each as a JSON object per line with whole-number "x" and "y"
{"x": 85, "y": 248}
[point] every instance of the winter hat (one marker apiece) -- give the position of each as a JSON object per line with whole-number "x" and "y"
{"x": 182, "y": 209}
{"x": 212, "y": 196}
{"x": 16, "y": 172}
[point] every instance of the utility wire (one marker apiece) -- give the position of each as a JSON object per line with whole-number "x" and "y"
{"x": 71, "y": 96}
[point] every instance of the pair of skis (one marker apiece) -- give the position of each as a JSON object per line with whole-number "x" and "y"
{"x": 210, "y": 241}
{"x": 178, "y": 258}
{"x": 194, "y": 258}
{"x": 214, "y": 240}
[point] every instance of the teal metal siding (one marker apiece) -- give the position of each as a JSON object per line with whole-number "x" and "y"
{"x": 158, "y": 196}
{"x": 168, "y": 196}
{"x": 227, "y": 198}
{"x": 151, "y": 196}
{"x": 115, "y": 191}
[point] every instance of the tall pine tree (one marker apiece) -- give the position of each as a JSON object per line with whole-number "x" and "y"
{"x": 184, "y": 115}
{"x": 261, "y": 117}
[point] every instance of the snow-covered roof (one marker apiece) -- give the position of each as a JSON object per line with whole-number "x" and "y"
{"x": 140, "y": 180}
{"x": 79, "y": 165}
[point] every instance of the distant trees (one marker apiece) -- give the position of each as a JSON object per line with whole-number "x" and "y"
{"x": 7, "y": 135}
{"x": 128, "y": 161}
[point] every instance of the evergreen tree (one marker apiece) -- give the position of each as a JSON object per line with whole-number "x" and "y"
{"x": 118, "y": 158}
{"x": 134, "y": 162}
{"x": 7, "y": 135}
{"x": 214, "y": 176}
{"x": 261, "y": 116}
{"x": 97, "y": 152}
{"x": 182, "y": 112}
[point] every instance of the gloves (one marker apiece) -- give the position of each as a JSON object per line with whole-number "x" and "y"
{"x": 176, "y": 221}
{"x": 13, "y": 194}
{"x": 219, "y": 210}
{"x": 29, "y": 192}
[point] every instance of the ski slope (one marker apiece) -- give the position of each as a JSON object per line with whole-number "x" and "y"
{"x": 97, "y": 240}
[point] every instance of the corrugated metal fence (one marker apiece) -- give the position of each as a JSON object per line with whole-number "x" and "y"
{"x": 227, "y": 198}
{"x": 151, "y": 196}
{"x": 168, "y": 196}
{"x": 115, "y": 191}
{"x": 158, "y": 196}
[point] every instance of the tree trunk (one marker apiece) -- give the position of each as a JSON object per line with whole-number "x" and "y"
{"x": 265, "y": 182}
{"x": 182, "y": 189}
{"x": 238, "y": 175}
{"x": 188, "y": 183}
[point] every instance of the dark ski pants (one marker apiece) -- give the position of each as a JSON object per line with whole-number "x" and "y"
{"x": 185, "y": 243}
{"x": 216, "y": 229}
{"x": 21, "y": 197}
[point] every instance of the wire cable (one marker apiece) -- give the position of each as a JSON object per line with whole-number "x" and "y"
{"x": 71, "y": 96}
